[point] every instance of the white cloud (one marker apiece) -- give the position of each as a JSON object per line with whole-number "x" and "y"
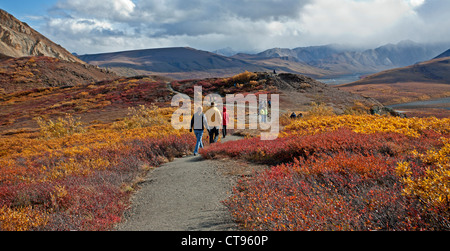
{"x": 352, "y": 21}
{"x": 87, "y": 26}
{"x": 116, "y": 9}
{"x": 79, "y": 26}
{"x": 416, "y": 3}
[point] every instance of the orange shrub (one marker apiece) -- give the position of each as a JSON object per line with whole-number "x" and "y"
{"x": 79, "y": 179}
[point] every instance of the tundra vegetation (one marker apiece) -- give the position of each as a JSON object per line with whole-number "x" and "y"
{"x": 326, "y": 172}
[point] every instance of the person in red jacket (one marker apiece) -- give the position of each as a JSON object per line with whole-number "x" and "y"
{"x": 225, "y": 121}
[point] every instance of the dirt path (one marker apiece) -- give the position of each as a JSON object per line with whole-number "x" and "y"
{"x": 184, "y": 195}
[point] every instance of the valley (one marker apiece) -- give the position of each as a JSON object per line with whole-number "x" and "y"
{"x": 419, "y": 82}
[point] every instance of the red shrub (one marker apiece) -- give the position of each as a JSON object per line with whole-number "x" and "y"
{"x": 332, "y": 181}
{"x": 340, "y": 192}
{"x": 286, "y": 149}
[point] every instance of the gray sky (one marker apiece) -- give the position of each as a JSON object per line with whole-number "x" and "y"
{"x": 87, "y": 26}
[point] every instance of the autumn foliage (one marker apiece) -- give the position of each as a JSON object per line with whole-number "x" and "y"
{"x": 345, "y": 173}
{"x": 73, "y": 177}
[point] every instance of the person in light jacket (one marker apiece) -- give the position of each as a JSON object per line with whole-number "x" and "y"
{"x": 199, "y": 123}
{"x": 215, "y": 124}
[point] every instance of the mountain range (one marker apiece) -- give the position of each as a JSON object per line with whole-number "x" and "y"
{"x": 185, "y": 63}
{"x": 177, "y": 62}
{"x": 315, "y": 61}
{"x": 342, "y": 60}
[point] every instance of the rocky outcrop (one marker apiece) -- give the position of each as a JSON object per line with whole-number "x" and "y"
{"x": 17, "y": 39}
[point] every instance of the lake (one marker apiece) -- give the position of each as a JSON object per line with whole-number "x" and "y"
{"x": 443, "y": 103}
{"x": 340, "y": 80}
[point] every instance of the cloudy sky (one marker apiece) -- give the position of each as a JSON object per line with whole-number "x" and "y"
{"x": 94, "y": 26}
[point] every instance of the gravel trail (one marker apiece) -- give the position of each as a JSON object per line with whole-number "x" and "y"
{"x": 183, "y": 195}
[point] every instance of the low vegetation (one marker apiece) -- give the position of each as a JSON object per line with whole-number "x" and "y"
{"x": 345, "y": 173}
{"x": 327, "y": 172}
{"x": 73, "y": 177}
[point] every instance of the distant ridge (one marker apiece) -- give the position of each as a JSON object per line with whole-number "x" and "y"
{"x": 343, "y": 60}
{"x": 176, "y": 62}
{"x": 186, "y": 63}
{"x": 444, "y": 55}
{"x": 17, "y": 39}
{"x": 174, "y": 59}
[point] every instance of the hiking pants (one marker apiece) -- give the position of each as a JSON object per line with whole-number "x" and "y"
{"x": 213, "y": 135}
{"x": 199, "y": 136}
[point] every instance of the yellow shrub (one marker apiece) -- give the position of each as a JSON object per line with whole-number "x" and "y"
{"x": 433, "y": 187}
{"x": 143, "y": 116}
{"x": 244, "y": 77}
{"x": 21, "y": 219}
{"x": 369, "y": 124}
{"x": 62, "y": 127}
{"x": 320, "y": 110}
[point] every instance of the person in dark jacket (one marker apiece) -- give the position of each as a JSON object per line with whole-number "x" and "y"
{"x": 293, "y": 115}
{"x": 199, "y": 123}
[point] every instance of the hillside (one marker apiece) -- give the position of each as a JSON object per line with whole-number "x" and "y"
{"x": 20, "y": 74}
{"x": 297, "y": 92}
{"x": 177, "y": 63}
{"x": 422, "y": 81}
{"x": 189, "y": 63}
{"x": 286, "y": 63}
{"x": 17, "y": 39}
{"x": 103, "y": 101}
{"x": 107, "y": 101}
{"x": 444, "y": 55}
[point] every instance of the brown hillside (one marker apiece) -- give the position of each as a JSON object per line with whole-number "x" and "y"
{"x": 107, "y": 101}
{"x": 188, "y": 63}
{"x": 297, "y": 92}
{"x": 103, "y": 102}
{"x": 421, "y": 81}
{"x": 19, "y": 74}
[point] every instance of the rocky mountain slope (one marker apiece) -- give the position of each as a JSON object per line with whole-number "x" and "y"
{"x": 17, "y": 39}
{"x": 28, "y": 60}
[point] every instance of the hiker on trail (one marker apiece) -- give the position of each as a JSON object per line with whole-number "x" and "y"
{"x": 215, "y": 122}
{"x": 293, "y": 115}
{"x": 225, "y": 117}
{"x": 263, "y": 112}
{"x": 199, "y": 123}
